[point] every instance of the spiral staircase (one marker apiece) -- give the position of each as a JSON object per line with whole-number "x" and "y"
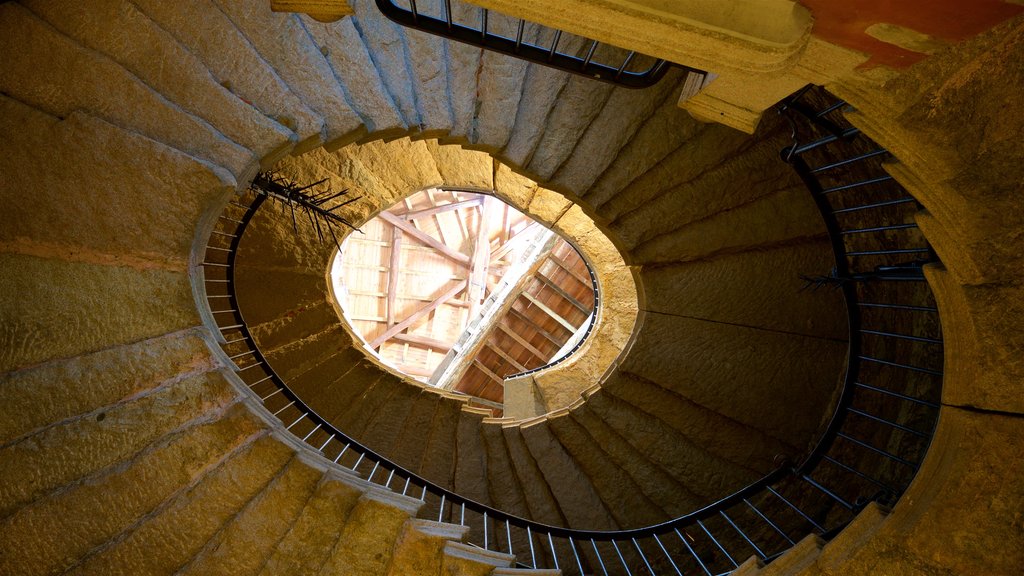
{"x": 181, "y": 397}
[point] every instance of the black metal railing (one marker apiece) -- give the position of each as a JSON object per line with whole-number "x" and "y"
{"x": 876, "y": 440}
{"x": 519, "y": 38}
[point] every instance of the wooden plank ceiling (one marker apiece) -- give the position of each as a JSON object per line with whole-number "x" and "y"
{"x": 422, "y": 271}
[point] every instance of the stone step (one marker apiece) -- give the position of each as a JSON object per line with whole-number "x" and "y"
{"x": 386, "y": 44}
{"x": 44, "y": 63}
{"x": 711, "y": 372}
{"x": 249, "y": 539}
{"x": 667, "y": 129}
{"x": 346, "y": 390}
{"x": 465, "y": 560}
{"x": 90, "y": 513}
{"x": 855, "y": 535}
{"x": 462, "y": 168}
{"x": 540, "y": 500}
{"x": 792, "y": 563}
{"x": 463, "y": 72}
{"x": 622, "y": 115}
{"x": 654, "y": 482}
{"x": 420, "y": 547}
{"x": 575, "y": 491}
{"x": 209, "y": 34}
{"x": 389, "y": 420}
{"x": 703, "y": 426}
{"x": 525, "y": 572}
{"x": 624, "y": 498}
{"x": 428, "y": 65}
{"x": 540, "y": 92}
{"x": 376, "y": 524}
{"x": 83, "y": 445}
{"x": 499, "y": 87}
{"x": 317, "y": 530}
{"x": 504, "y": 486}
{"x": 577, "y": 106}
{"x": 470, "y": 478}
{"x": 192, "y": 517}
{"x": 412, "y": 440}
{"x": 282, "y": 41}
{"x": 704, "y": 474}
{"x": 170, "y": 188}
{"x": 188, "y": 83}
{"x": 346, "y": 52}
{"x": 438, "y": 463}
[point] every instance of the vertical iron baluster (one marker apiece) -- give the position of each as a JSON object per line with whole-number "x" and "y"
{"x": 342, "y": 453}
{"x": 311, "y": 432}
{"x": 600, "y": 560}
{"x": 554, "y": 554}
{"x": 358, "y": 461}
{"x": 717, "y": 543}
{"x": 828, "y": 492}
{"x": 390, "y": 476}
{"x": 667, "y": 555}
{"x": 590, "y": 54}
{"x": 554, "y": 44}
{"x": 483, "y": 23}
{"x": 621, "y": 559}
{"x": 508, "y": 535}
{"x": 744, "y": 535}
{"x": 694, "y": 552}
{"x": 770, "y": 523}
{"x": 326, "y": 442}
{"x": 406, "y": 485}
{"x": 533, "y": 555}
{"x": 423, "y": 494}
{"x": 485, "y": 531}
{"x": 643, "y": 557}
{"x": 519, "y": 33}
{"x": 577, "y": 557}
{"x": 448, "y": 12}
{"x": 629, "y": 58}
{"x": 415, "y": 12}
{"x": 440, "y": 513}
{"x": 798, "y": 511}
{"x": 462, "y": 515}
{"x": 373, "y": 471}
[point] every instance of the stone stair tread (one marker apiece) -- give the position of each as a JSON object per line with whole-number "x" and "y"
{"x": 248, "y": 541}
{"x": 469, "y": 552}
{"x": 438, "y": 463}
{"x": 470, "y": 477}
{"x": 283, "y": 42}
{"x": 351, "y": 62}
{"x": 411, "y": 442}
{"x": 445, "y": 530}
{"x": 540, "y": 501}
{"x": 796, "y": 559}
{"x": 577, "y": 497}
{"x": 505, "y": 490}
{"x": 62, "y": 454}
{"x": 316, "y": 531}
{"x": 194, "y": 515}
{"x": 428, "y": 63}
{"x": 33, "y": 80}
{"x": 853, "y": 536}
{"x": 386, "y": 45}
{"x": 188, "y": 83}
{"x": 209, "y": 34}
{"x": 622, "y": 115}
{"x": 614, "y": 485}
{"x": 372, "y": 525}
{"x": 463, "y": 72}
{"x": 120, "y": 498}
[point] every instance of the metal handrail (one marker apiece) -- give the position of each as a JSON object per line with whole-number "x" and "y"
{"x": 482, "y": 36}
{"x": 761, "y": 518}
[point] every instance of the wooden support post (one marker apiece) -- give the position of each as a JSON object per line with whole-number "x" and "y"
{"x": 425, "y": 238}
{"x": 419, "y": 314}
{"x": 393, "y": 272}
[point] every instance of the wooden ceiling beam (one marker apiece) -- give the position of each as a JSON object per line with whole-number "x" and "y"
{"x": 547, "y": 335}
{"x": 544, "y": 308}
{"x": 393, "y": 272}
{"x": 427, "y": 341}
{"x": 427, "y": 239}
{"x": 522, "y": 342}
{"x": 561, "y": 292}
{"x": 585, "y": 280}
{"x": 441, "y": 209}
{"x": 505, "y": 356}
{"x": 419, "y": 314}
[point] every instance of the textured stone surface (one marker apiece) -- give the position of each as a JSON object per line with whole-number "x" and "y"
{"x": 428, "y": 64}
{"x": 505, "y": 491}
{"x": 470, "y": 458}
{"x": 350, "y": 61}
{"x": 627, "y": 504}
{"x": 499, "y": 87}
{"x": 711, "y": 363}
{"x": 513, "y": 188}
{"x": 59, "y": 455}
{"x": 49, "y": 71}
{"x": 413, "y": 438}
{"x": 372, "y": 526}
{"x": 283, "y": 42}
{"x": 51, "y": 309}
{"x": 572, "y": 488}
{"x": 539, "y": 499}
{"x": 463, "y": 71}
{"x": 761, "y": 289}
{"x": 89, "y": 514}
{"x": 548, "y": 206}
{"x": 461, "y": 168}
{"x": 615, "y": 125}
{"x": 439, "y": 451}
{"x": 188, "y": 83}
{"x": 159, "y": 196}
{"x": 386, "y": 45}
{"x": 177, "y": 531}
{"x": 247, "y": 542}
{"x": 209, "y": 34}
{"x": 69, "y": 387}
{"x": 316, "y": 532}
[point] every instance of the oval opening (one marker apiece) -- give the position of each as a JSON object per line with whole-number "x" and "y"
{"x": 459, "y": 290}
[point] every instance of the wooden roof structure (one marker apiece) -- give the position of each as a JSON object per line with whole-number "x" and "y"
{"x": 442, "y": 261}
